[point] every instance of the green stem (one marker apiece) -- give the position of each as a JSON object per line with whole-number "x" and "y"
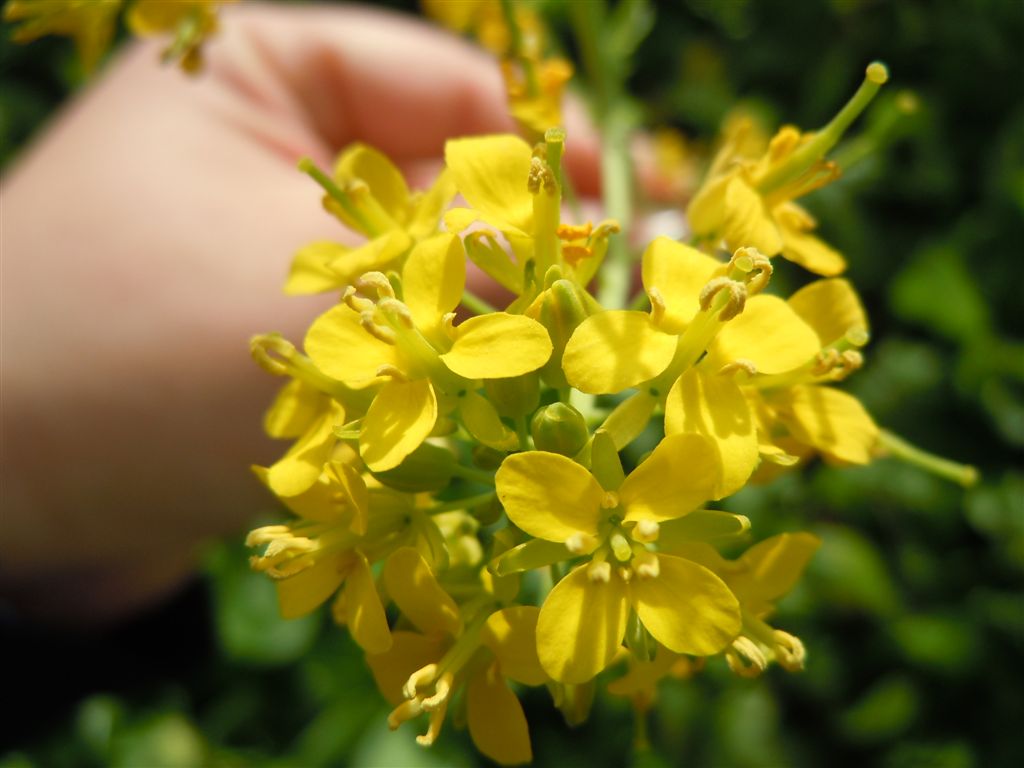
{"x": 515, "y": 39}
{"x": 467, "y": 502}
{"x": 473, "y": 474}
{"x": 475, "y": 303}
{"x": 337, "y": 194}
{"x": 899, "y": 448}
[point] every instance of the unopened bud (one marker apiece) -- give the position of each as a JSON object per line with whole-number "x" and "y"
{"x": 428, "y": 468}
{"x": 559, "y": 428}
{"x": 514, "y": 397}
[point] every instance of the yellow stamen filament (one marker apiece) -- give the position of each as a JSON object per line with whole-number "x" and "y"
{"x": 745, "y": 658}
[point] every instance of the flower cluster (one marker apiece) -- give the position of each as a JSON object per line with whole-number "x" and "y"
{"x": 92, "y": 23}
{"x": 458, "y": 473}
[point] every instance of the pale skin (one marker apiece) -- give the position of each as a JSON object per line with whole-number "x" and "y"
{"x": 145, "y": 237}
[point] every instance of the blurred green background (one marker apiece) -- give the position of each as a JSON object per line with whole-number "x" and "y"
{"x": 912, "y": 611}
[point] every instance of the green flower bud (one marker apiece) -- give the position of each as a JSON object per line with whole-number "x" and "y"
{"x": 428, "y": 468}
{"x": 514, "y": 397}
{"x": 559, "y": 428}
{"x": 562, "y": 309}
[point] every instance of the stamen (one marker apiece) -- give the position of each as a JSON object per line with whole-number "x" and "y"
{"x": 434, "y": 729}
{"x": 377, "y": 281}
{"x": 264, "y": 344}
{"x": 397, "y": 311}
{"x": 626, "y": 574}
{"x": 789, "y": 651}
{"x": 580, "y": 543}
{"x": 421, "y": 678}
{"x": 745, "y": 658}
{"x": 379, "y": 332}
{"x": 610, "y": 500}
{"x": 405, "y": 711}
{"x": 646, "y": 531}
{"x": 356, "y": 302}
{"x": 735, "y": 303}
{"x": 599, "y": 571}
{"x": 737, "y": 365}
{"x": 442, "y": 688}
{"x": 647, "y": 565}
{"x": 391, "y": 372}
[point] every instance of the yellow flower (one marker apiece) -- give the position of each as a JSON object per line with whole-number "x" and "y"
{"x": 190, "y": 22}
{"x": 429, "y": 364}
{"x": 703, "y": 327}
{"x": 747, "y": 202}
{"x": 89, "y": 22}
{"x": 797, "y": 405}
{"x": 340, "y": 526}
{"x": 515, "y": 190}
{"x": 760, "y": 578}
{"x": 682, "y": 605}
{"x": 476, "y": 648}
{"x": 369, "y": 195}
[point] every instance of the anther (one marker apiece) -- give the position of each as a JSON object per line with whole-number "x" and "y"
{"x": 574, "y": 232}
{"x": 858, "y": 336}
{"x": 647, "y": 565}
{"x": 877, "y": 73}
{"x": 626, "y": 574}
{"x": 356, "y": 302}
{"x": 448, "y": 324}
{"x": 407, "y": 710}
{"x": 599, "y": 571}
{"x": 610, "y": 500}
{"x": 737, "y": 297}
{"x": 391, "y": 372}
{"x": 378, "y": 281}
{"x": 789, "y": 651}
{"x": 422, "y": 677}
{"x": 737, "y": 365}
{"x": 579, "y": 543}
{"x": 442, "y": 688}
{"x": 646, "y": 531}
{"x": 745, "y": 658}
{"x": 377, "y": 331}
{"x": 263, "y": 345}
{"x": 393, "y": 308}
{"x": 434, "y": 728}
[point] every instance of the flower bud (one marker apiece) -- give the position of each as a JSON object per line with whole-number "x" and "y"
{"x": 514, "y": 397}
{"x": 559, "y": 428}
{"x": 428, "y": 468}
{"x": 562, "y": 309}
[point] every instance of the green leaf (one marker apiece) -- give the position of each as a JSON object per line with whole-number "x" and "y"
{"x": 246, "y": 615}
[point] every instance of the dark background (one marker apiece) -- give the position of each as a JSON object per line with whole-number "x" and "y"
{"x": 912, "y": 611}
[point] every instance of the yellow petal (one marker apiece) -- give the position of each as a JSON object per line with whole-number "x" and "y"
{"x": 377, "y": 254}
{"x": 511, "y": 634}
{"x": 307, "y": 590}
{"x": 311, "y": 272}
{"x": 680, "y": 475}
{"x": 580, "y": 626}
{"x": 298, "y": 469}
{"x": 771, "y": 568}
{"x": 613, "y": 351}
{"x": 498, "y": 345}
{"x": 385, "y": 181}
{"x": 496, "y": 720}
{"x": 686, "y": 607}
{"x": 294, "y": 409}
{"x": 769, "y": 334}
{"x": 491, "y": 173}
{"x": 713, "y": 406}
{"x": 398, "y": 420}
{"x": 831, "y": 308}
{"x": 344, "y": 350}
{"x": 548, "y": 495}
{"x": 364, "y": 614}
{"x": 419, "y": 597}
{"x": 481, "y": 419}
{"x": 409, "y": 652}
{"x": 349, "y": 490}
{"x": 679, "y": 273}
{"x": 803, "y": 248}
{"x": 729, "y": 208}
{"x": 830, "y": 420}
{"x": 429, "y": 208}
{"x": 432, "y": 280}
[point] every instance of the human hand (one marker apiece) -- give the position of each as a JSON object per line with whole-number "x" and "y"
{"x": 146, "y": 237}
